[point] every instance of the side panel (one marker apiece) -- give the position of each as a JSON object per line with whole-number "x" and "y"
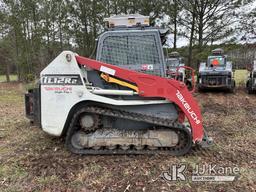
{"x": 59, "y": 92}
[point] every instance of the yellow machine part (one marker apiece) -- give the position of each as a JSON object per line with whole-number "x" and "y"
{"x": 109, "y": 79}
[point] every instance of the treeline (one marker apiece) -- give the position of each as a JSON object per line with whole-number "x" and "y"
{"x": 33, "y": 32}
{"x": 241, "y": 55}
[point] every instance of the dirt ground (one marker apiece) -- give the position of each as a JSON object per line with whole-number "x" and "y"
{"x": 34, "y": 161}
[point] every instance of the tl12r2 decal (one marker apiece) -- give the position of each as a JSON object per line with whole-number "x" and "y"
{"x": 61, "y": 80}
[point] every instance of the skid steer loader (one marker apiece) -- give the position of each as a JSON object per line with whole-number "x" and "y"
{"x": 172, "y": 63}
{"x": 175, "y": 68}
{"x": 251, "y": 79}
{"x": 217, "y": 73}
{"x": 120, "y": 103}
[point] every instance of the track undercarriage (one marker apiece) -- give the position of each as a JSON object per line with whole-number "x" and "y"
{"x": 165, "y": 136}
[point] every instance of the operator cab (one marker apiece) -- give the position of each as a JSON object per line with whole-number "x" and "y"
{"x": 176, "y": 69}
{"x": 173, "y": 62}
{"x": 217, "y": 59}
{"x": 130, "y": 42}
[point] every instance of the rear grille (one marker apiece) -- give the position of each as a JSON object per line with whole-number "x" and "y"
{"x": 214, "y": 80}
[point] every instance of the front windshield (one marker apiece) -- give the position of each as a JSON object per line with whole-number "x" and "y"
{"x": 130, "y": 50}
{"x": 172, "y": 63}
{"x": 216, "y": 61}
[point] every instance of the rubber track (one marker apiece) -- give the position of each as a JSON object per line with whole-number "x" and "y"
{"x": 173, "y": 125}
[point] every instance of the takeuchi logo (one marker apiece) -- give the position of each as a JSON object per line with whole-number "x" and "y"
{"x": 188, "y": 107}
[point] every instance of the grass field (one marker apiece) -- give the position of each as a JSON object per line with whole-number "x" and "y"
{"x": 12, "y": 78}
{"x": 240, "y": 77}
{"x": 31, "y": 160}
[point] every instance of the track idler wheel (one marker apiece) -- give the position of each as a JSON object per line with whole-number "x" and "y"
{"x": 89, "y": 122}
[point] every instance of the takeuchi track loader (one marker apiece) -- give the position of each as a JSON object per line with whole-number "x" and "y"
{"x": 175, "y": 68}
{"x": 120, "y": 103}
{"x": 216, "y": 73}
{"x": 173, "y": 62}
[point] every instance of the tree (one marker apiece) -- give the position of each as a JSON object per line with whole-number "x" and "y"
{"x": 5, "y": 57}
{"x": 37, "y": 30}
{"x": 172, "y": 10}
{"x": 188, "y": 21}
{"x": 212, "y": 19}
{"x": 248, "y": 25}
{"x": 207, "y": 21}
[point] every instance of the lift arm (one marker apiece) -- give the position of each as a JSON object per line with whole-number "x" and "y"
{"x": 155, "y": 86}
